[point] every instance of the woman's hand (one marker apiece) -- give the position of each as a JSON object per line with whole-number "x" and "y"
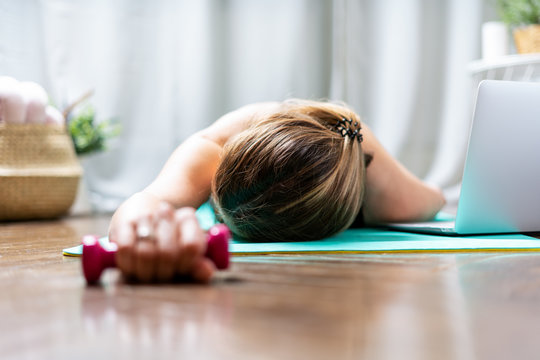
{"x": 162, "y": 245}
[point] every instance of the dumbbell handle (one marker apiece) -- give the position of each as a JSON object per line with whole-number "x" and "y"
{"x": 96, "y": 258}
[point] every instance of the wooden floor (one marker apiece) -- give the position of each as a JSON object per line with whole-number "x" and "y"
{"x": 404, "y": 306}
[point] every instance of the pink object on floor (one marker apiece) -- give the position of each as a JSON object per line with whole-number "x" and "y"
{"x": 35, "y": 99}
{"x": 12, "y": 104}
{"x": 96, "y": 258}
{"x": 53, "y": 116}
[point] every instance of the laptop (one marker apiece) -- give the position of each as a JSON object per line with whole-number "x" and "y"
{"x": 500, "y": 188}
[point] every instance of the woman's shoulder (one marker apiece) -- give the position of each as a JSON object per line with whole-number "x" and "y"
{"x": 234, "y": 122}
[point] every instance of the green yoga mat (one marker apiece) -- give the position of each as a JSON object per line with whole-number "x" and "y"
{"x": 369, "y": 240}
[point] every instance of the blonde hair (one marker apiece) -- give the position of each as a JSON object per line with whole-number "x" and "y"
{"x": 295, "y": 175}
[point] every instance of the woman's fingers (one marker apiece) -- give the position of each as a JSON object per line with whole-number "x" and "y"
{"x": 145, "y": 249}
{"x": 191, "y": 240}
{"x": 167, "y": 243}
{"x": 125, "y": 238}
{"x": 202, "y": 270}
{"x": 145, "y": 265}
{"x": 162, "y": 245}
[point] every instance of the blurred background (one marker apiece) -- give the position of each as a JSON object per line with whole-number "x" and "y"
{"x": 165, "y": 69}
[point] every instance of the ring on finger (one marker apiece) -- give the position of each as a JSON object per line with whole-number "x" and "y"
{"x": 145, "y": 233}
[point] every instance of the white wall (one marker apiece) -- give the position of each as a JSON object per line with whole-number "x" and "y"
{"x": 168, "y": 68}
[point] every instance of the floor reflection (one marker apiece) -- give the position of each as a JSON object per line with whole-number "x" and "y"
{"x": 175, "y": 318}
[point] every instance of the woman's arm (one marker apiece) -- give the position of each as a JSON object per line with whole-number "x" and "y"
{"x": 184, "y": 183}
{"x": 186, "y": 177}
{"x": 393, "y": 194}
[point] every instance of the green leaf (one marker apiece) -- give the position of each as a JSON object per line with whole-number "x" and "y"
{"x": 89, "y": 136}
{"x": 519, "y": 12}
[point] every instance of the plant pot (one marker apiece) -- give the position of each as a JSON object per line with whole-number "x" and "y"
{"x": 527, "y": 39}
{"x": 39, "y": 172}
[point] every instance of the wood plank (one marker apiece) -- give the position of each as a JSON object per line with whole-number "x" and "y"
{"x": 381, "y": 306}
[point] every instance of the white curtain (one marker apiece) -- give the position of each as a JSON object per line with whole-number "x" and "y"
{"x": 165, "y": 69}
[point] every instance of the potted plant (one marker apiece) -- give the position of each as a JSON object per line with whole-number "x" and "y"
{"x": 88, "y": 136}
{"x": 523, "y": 17}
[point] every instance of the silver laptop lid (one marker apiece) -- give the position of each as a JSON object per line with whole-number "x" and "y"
{"x": 500, "y": 190}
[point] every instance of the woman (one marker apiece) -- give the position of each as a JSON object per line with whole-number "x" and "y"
{"x": 297, "y": 170}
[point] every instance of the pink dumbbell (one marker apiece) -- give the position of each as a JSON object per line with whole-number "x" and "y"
{"x": 95, "y": 258}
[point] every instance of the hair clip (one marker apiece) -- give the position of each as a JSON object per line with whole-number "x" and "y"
{"x": 343, "y": 127}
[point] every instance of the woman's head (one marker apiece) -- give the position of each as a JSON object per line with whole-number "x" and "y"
{"x": 298, "y": 174}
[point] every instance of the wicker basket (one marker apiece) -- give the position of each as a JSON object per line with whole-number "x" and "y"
{"x": 39, "y": 171}
{"x": 527, "y": 39}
